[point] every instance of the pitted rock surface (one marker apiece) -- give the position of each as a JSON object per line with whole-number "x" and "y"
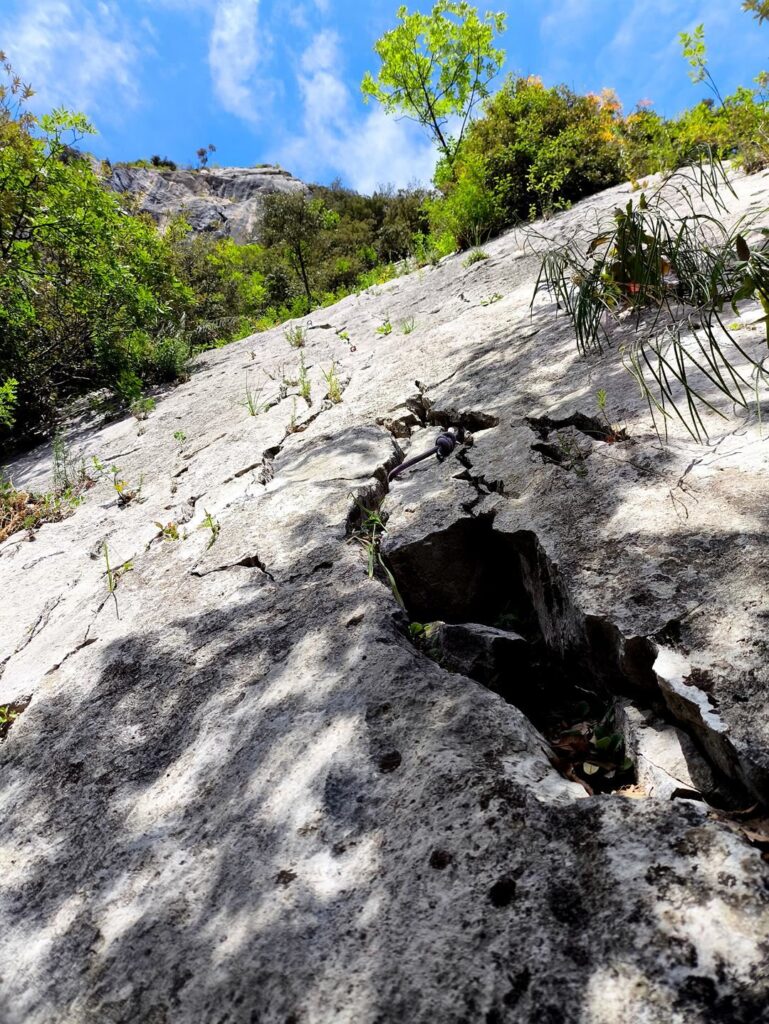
{"x": 239, "y": 792}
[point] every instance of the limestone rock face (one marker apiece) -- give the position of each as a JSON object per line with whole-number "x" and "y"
{"x": 240, "y": 791}
{"x": 223, "y": 201}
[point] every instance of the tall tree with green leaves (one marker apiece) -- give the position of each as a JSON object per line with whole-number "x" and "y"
{"x": 296, "y": 224}
{"x": 437, "y": 67}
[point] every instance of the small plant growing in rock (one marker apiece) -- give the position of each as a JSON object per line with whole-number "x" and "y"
{"x": 613, "y": 433}
{"x": 385, "y": 328}
{"x": 141, "y": 407}
{"x": 168, "y": 532}
{"x": 566, "y": 452}
{"x": 295, "y": 336}
{"x": 253, "y": 399}
{"x": 333, "y": 384}
{"x": 588, "y": 749}
{"x": 180, "y": 437}
{"x": 61, "y": 464}
{"x": 8, "y": 715}
{"x": 212, "y": 524}
{"x": 491, "y": 299}
{"x": 474, "y": 256}
{"x": 21, "y": 510}
{"x": 125, "y": 493}
{"x": 115, "y": 575}
{"x": 368, "y": 534}
{"x": 293, "y": 426}
{"x": 305, "y": 386}
{"x": 344, "y": 335}
{"x": 408, "y": 325}
{"x": 69, "y": 477}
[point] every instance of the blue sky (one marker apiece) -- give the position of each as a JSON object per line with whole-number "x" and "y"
{"x": 278, "y": 80}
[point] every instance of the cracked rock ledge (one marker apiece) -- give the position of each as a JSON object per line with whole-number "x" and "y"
{"x": 250, "y": 781}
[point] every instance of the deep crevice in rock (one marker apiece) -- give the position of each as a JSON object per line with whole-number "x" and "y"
{"x": 469, "y": 419}
{"x": 591, "y": 426}
{"x": 370, "y": 498}
{"x": 421, "y": 412}
{"x": 246, "y": 562}
{"x": 478, "y": 481}
{"x": 506, "y": 619}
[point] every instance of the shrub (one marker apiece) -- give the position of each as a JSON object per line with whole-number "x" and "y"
{"x": 684, "y": 268}
{"x": 84, "y": 289}
{"x": 432, "y": 248}
{"x": 468, "y": 210}
{"x": 7, "y": 402}
{"x": 474, "y": 256}
{"x": 170, "y": 358}
{"x": 162, "y": 162}
{"x": 536, "y": 149}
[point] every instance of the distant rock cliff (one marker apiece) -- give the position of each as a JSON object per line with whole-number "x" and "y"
{"x": 223, "y": 201}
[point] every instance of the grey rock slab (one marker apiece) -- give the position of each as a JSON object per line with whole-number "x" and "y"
{"x": 224, "y": 202}
{"x": 667, "y": 761}
{"x": 240, "y": 792}
{"x": 481, "y": 652}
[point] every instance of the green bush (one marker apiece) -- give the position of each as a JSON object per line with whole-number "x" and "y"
{"x": 537, "y": 149}
{"x": 85, "y": 291}
{"x": 467, "y": 210}
{"x": 7, "y": 402}
{"x": 431, "y": 248}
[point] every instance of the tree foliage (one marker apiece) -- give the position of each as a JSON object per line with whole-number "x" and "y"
{"x": 93, "y": 296}
{"x": 298, "y": 225}
{"x": 435, "y": 68}
{"x": 88, "y": 296}
{"x": 759, "y": 9}
{"x": 533, "y": 151}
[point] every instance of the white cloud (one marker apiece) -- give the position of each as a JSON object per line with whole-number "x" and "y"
{"x": 234, "y": 54}
{"x": 365, "y": 150}
{"x": 80, "y": 57}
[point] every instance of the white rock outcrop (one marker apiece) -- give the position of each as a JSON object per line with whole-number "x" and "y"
{"x": 225, "y": 202}
{"x": 240, "y": 792}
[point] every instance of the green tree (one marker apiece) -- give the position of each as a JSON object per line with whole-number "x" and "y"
{"x": 696, "y": 55}
{"x": 758, "y": 8}
{"x": 298, "y": 226}
{"x": 88, "y": 296}
{"x": 437, "y": 67}
{"x": 226, "y": 282}
{"x": 740, "y": 127}
{"x": 533, "y": 151}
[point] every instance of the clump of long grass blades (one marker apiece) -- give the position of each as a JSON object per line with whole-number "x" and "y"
{"x": 368, "y": 533}
{"x": 667, "y": 266}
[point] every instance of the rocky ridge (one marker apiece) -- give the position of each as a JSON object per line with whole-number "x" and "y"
{"x": 225, "y": 202}
{"x": 240, "y": 790}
